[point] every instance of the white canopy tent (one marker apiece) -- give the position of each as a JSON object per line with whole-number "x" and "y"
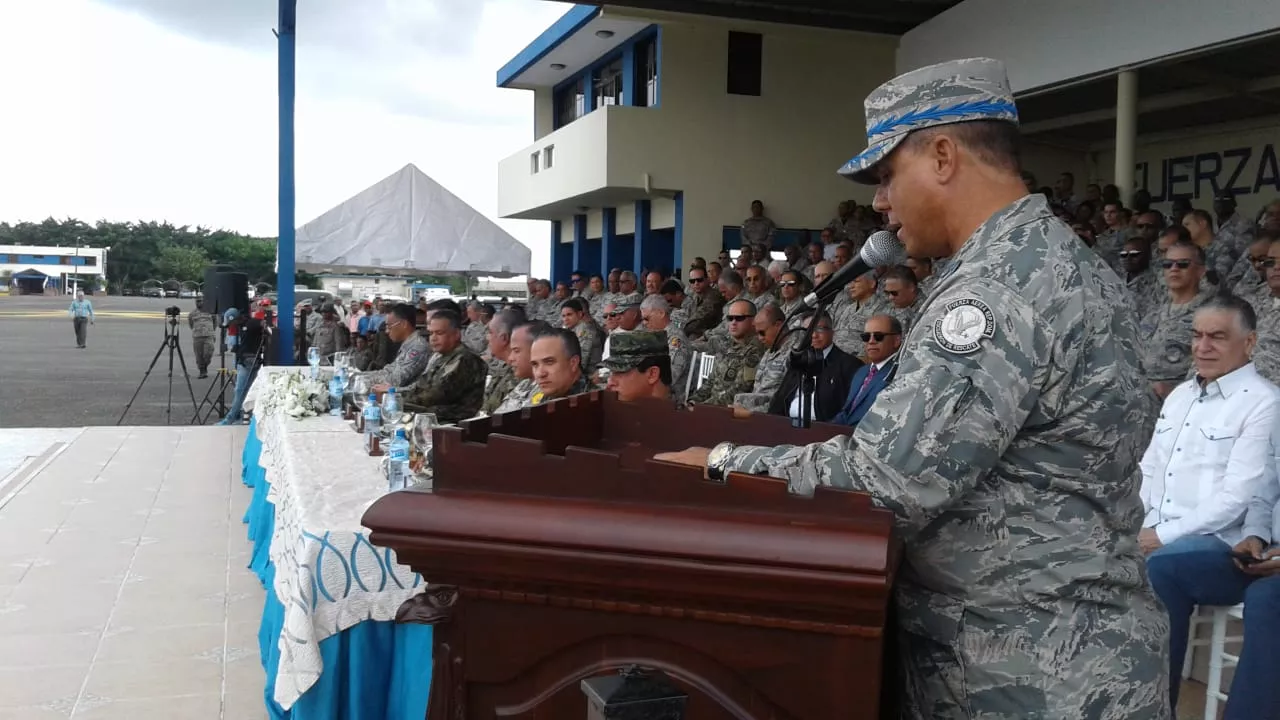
{"x": 408, "y": 224}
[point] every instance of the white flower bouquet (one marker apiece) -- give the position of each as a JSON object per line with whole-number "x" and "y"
{"x": 296, "y": 395}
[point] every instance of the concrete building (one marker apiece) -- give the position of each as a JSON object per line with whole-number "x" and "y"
{"x": 41, "y": 268}
{"x": 654, "y": 130}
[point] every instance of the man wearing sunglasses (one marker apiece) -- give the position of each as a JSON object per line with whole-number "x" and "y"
{"x": 735, "y": 369}
{"x": 1167, "y": 329}
{"x": 1003, "y": 447}
{"x": 882, "y": 337}
{"x": 902, "y": 294}
{"x": 774, "y": 363}
{"x": 1251, "y": 270}
{"x": 707, "y": 303}
{"x": 1145, "y": 289}
{"x": 851, "y": 319}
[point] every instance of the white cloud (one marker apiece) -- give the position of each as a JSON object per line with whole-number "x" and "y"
{"x": 132, "y": 113}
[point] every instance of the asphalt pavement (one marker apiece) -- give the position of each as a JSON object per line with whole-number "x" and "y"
{"x": 45, "y": 381}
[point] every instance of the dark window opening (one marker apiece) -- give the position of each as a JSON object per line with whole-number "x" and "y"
{"x": 570, "y": 104}
{"x": 607, "y": 84}
{"x": 646, "y": 73}
{"x": 745, "y": 63}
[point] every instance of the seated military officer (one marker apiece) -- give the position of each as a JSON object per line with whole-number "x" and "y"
{"x": 639, "y": 366}
{"x": 556, "y": 361}
{"x": 452, "y": 387}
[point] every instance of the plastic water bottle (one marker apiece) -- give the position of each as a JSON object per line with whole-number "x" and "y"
{"x": 390, "y": 408}
{"x": 398, "y": 472}
{"x": 372, "y": 418}
{"x": 313, "y": 359}
{"x": 337, "y": 384}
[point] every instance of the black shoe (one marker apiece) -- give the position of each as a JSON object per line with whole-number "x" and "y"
{"x": 202, "y": 376}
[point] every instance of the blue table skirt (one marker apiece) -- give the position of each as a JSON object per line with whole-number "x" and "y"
{"x": 373, "y": 671}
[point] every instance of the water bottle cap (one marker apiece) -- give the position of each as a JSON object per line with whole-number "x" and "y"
{"x": 391, "y": 391}
{"x": 373, "y": 397}
{"x": 400, "y": 434}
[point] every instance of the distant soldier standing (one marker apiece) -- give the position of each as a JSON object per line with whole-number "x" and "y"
{"x": 203, "y": 331}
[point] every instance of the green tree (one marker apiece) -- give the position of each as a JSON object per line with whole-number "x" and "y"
{"x": 181, "y": 262}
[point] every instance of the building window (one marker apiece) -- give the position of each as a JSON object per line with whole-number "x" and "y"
{"x": 90, "y": 261}
{"x": 646, "y": 73}
{"x": 607, "y": 84}
{"x": 745, "y": 63}
{"x": 570, "y": 104}
{"x": 548, "y": 156}
{"x": 533, "y": 163}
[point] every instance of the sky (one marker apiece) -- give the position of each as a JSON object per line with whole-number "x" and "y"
{"x": 166, "y": 109}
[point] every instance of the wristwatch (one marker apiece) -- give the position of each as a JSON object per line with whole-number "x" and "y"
{"x": 717, "y": 459}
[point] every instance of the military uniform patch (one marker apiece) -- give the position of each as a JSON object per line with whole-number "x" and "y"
{"x": 536, "y": 398}
{"x": 963, "y": 325}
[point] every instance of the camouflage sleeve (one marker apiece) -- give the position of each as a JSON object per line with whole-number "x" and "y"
{"x": 408, "y": 366}
{"x": 1238, "y": 271}
{"x": 944, "y": 421}
{"x": 680, "y": 357}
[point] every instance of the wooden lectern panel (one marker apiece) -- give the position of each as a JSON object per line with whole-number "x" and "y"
{"x": 557, "y": 549}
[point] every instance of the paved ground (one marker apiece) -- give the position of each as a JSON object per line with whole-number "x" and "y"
{"x": 48, "y": 382}
{"x": 123, "y": 588}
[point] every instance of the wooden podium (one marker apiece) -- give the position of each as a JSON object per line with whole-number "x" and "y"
{"x": 558, "y": 550}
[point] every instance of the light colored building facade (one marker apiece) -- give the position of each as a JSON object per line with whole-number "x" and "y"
{"x": 654, "y": 131}
{"x": 42, "y": 268}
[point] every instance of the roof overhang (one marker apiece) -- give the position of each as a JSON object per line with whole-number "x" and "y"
{"x": 581, "y": 36}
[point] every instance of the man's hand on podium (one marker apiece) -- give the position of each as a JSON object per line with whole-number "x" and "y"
{"x": 740, "y": 413}
{"x": 695, "y": 456}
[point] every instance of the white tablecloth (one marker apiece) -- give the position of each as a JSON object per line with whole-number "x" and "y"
{"x": 327, "y": 575}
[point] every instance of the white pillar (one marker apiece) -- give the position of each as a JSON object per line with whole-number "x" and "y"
{"x": 1126, "y": 132}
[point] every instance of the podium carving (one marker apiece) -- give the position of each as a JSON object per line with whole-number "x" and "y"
{"x": 558, "y": 550}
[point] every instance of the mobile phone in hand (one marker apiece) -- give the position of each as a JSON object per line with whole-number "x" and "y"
{"x": 1245, "y": 558}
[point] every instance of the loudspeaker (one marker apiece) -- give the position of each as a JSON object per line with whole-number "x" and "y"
{"x": 225, "y": 290}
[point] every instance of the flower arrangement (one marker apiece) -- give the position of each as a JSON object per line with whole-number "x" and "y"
{"x": 296, "y": 395}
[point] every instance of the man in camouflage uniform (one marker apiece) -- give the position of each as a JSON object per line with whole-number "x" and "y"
{"x": 902, "y": 296}
{"x": 1266, "y": 304}
{"x": 556, "y": 361}
{"x": 758, "y": 287}
{"x": 204, "y": 332}
{"x": 1219, "y": 258}
{"x": 519, "y": 357}
{"x": 708, "y": 302}
{"x": 673, "y": 292}
{"x": 502, "y": 377}
{"x": 1235, "y": 231}
{"x": 757, "y": 229}
{"x": 853, "y": 315}
{"x": 1166, "y": 330}
{"x": 1253, "y": 279}
{"x": 475, "y": 336}
{"x": 774, "y": 364}
{"x": 657, "y": 313}
{"x": 411, "y": 359}
{"x": 843, "y": 227}
{"x": 627, "y": 294}
{"x": 1003, "y": 445}
{"x": 735, "y": 369}
{"x": 329, "y": 336}
{"x": 596, "y": 301}
{"x": 1146, "y": 291}
{"x": 452, "y": 387}
{"x": 1111, "y": 241}
{"x": 925, "y": 277}
{"x": 639, "y": 366}
{"x": 573, "y": 314}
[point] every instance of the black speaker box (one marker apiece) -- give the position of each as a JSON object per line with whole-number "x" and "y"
{"x": 225, "y": 290}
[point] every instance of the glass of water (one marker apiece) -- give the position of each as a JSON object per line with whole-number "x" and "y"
{"x": 423, "y": 423}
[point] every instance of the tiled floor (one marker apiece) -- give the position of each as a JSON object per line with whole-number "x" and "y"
{"x": 123, "y": 591}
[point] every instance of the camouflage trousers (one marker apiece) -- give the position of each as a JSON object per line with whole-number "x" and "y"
{"x": 203, "y": 347}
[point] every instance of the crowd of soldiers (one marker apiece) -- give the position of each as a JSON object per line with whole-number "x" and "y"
{"x": 730, "y": 324}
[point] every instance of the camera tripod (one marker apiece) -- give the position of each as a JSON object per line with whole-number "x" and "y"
{"x": 215, "y": 398}
{"x": 170, "y": 342}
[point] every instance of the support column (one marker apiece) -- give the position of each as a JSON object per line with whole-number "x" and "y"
{"x": 678, "y": 250}
{"x": 609, "y": 254}
{"x": 1126, "y": 132}
{"x": 643, "y": 252}
{"x": 285, "y": 274}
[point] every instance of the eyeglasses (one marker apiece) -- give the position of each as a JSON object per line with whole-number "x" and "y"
{"x": 1130, "y": 253}
{"x": 1268, "y": 263}
{"x": 1257, "y": 259}
{"x": 877, "y": 336}
{"x": 696, "y": 279}
{"x": 789, "y": 283}
{"x": 737, "y": 318}
{"x": 614, "y": 314}
{"x": 822, "y": 329}
{"x": 1180, "y": 264}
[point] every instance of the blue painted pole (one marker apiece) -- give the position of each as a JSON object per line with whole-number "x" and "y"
{"x": 285, "y": 273}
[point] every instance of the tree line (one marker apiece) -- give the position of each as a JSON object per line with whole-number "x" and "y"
{"x": 146, "y": 252}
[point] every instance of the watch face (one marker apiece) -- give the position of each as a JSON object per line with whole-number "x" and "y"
{"x": 718, "y": 455}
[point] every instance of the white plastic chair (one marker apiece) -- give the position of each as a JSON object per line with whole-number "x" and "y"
{"x": 1219, "y": 658}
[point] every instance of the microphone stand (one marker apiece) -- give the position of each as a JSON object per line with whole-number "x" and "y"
{"x": 804, "y": 360}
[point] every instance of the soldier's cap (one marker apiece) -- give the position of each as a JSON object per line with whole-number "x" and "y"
{"x": 671, "y": 287}
{"x": 626, "y": 305}
{"x": 950, "y": 92}
{"x": 628, "y": 350}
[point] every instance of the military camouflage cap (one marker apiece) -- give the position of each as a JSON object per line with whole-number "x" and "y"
{"x": 942, "y": 94}
{"x": 628, "y": 350}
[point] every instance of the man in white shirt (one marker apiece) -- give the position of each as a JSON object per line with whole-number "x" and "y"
{"x": 1213, "y": 450}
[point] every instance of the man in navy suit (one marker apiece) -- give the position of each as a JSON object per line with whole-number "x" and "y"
{"x": 883, "y": 336}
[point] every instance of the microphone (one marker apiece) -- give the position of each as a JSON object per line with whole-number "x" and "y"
{"x": 882, "y": 248}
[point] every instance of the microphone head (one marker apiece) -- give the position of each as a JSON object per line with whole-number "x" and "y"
{"x": 883, "y": 248}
